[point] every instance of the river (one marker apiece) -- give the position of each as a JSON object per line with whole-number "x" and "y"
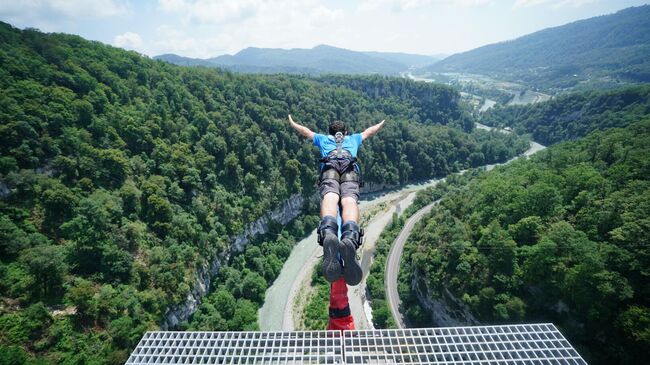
{"x": 277, "y": 312}
{"x": 521, "y": 95}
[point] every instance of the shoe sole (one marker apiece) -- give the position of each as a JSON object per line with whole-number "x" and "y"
{"x": 352, "y": 271}
{"x": 332, "y": 269}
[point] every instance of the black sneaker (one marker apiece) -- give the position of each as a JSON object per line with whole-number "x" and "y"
{"x": 331, "y": 269}
{"x": 351, "y": 267}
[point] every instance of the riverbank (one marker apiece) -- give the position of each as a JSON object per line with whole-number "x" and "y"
{"x": 279, "y": 312}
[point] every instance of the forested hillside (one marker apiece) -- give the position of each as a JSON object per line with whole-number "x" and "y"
{"x": 561, "y": 237}
{"x": 120, "y": 176}
{"x": 595, "y": 52}
{"x": 574, "y": 115}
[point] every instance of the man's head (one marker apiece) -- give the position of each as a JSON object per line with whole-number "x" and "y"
{"x": 338, "y": 126}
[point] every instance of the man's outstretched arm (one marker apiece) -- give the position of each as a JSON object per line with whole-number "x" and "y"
{"x": 304, "y": 131}
{"x": 371, "y": 131}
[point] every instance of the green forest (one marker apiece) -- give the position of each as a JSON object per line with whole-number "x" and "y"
{"x": 121, "y": 176}
{"x": 574, "y": 115}
{"x": 560, "y": 237}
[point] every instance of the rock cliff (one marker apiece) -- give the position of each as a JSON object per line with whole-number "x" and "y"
{"x": 446, "y": 310}
{"x": 283, "y": 214}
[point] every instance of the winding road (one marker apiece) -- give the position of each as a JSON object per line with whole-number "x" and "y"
{"x": 395, "y": 253}
{"x": 279, "y": 309}
{"x": 392, "y": 267}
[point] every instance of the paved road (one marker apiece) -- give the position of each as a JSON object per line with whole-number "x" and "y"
{"x": 359, "y": 306}
{"x": 298, "y": 269}
{"x": 394, "y": 256}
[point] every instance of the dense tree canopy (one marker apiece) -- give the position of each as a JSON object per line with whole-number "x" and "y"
{"x": 562, "y": 237}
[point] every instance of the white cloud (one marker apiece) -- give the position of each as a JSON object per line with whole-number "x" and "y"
{"x": 227, "y": 26}
{"x": 172, "y": 5}
{"x": 468, "y": 3}
{"x": 171, "y": 40}
{"x": 70, "y": 9}
{"x": 552, "y": 3}
{"x": 404, "y": 5}
{"x": 228, "y": 11}
{"x": 322, "y": 16}
{"x": 213, "y": 11}
{"x": 129, "y": 40}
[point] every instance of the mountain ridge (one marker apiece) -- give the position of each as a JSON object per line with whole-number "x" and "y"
{"x": 320, "y": 59}
{"x": 608, "y": 49}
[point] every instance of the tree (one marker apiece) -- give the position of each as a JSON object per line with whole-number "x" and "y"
{"x": 47, "y": 264}
{"x": 499, "y": 248}
{"x": 245, "y": 317}
{"x": 527, "y": 231}
{"x": 58, "y": 203}
{"x": 254, "y": 287}
{"x": 82, "y": 295}
{"x": 635, "y": 323}
{"x": 12, "y": 355}
{"x": 12, "y": 239}
{"x": 225, "y": 302}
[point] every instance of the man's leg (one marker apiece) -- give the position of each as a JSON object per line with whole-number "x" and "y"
{"x": 340, "y": 317}
{"x": 350, "y": 209}
{"x": 350, "y": 233}
{"x": 328, "y": 229}
{"x": 329, "y": 205}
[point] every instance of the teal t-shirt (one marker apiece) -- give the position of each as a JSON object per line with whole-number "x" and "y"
{"x": 327, "y": 144}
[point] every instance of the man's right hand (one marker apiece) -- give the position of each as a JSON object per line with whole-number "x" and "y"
{"x": 304, "y": 131}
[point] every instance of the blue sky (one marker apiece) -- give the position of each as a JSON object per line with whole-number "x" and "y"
{"x": 207, "y": 28}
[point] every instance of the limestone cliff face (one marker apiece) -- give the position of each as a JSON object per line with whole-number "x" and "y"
{"x": 283, "y": 214}
{"x": 373, "y": 187}
{"x": 446, "y": 310}
{"x": 183, "y": 311}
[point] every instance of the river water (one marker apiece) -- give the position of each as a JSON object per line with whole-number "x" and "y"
{"x": 277, "y": 313}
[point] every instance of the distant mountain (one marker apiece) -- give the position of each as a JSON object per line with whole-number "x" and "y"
{"x": 318, "y": 60}
{"x": 407, "y": 59}
{"x": 182, "y": 61}
{"x": 599, "y": 51}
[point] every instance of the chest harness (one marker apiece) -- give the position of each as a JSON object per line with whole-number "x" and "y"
{"x": 339, "y": 164}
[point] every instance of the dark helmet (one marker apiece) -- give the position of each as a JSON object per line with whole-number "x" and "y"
{"x": 337, "y": 126}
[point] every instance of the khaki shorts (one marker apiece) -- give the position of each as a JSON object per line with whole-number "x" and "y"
{"x": 345, "y": 189}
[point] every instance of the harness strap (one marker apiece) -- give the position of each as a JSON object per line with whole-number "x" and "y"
{"x": 331, "y": 173}
{"x": 340, "y": 165}
{"x": 338, "y": 137}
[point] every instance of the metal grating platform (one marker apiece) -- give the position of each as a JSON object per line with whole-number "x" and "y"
{"x": 508, "y": 344}
{"x": 300, "y": 347}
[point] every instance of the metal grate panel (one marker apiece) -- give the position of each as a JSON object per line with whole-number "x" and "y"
{"x": 525, "y": 344}
{"x": 300, "y": 347}
{"x": 509, "y": 344}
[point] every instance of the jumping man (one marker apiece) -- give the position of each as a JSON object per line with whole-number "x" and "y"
{"x": 338, "y": 184}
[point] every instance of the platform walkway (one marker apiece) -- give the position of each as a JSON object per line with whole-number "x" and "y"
{"x": 506, "y": 344}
